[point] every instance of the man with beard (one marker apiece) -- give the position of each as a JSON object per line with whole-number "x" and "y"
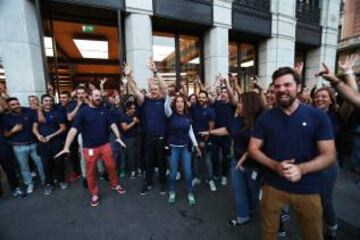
{"x": 294, "y": 142}
{"x": 95, "y": 120}
{"x": 203, "y": 118}
{"x": 7, "y": 158}
{"x": 17, "y": 126}
{"x": 224, "y": 109}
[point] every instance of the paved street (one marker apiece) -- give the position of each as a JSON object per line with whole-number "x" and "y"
{"x": 67, "y": 215}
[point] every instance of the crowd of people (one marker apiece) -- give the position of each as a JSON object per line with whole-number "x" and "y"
{"x": 282, "y": 145}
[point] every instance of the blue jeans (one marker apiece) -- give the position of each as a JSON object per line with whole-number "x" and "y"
{"x": 355, "y": 150}
{"x": 198, "y": 162}
{"x": 246, "y": 189}
{"x": 22, "y": 154}
{"x": 184, "y": 155}
{"x": 327, "y": 196}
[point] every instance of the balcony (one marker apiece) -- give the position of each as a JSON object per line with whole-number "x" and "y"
{"x": 349, "y": 43}
{"x": 308, "y": 11}
{"x": 260, "y": 5}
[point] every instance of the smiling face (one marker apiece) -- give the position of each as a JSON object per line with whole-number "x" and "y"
{"x": 179, "y": 105}
{"x": 14, "y": 106}
{"x": 270, "y": 97}
{"x": 48, "y": 103}
{"x": 286, "y": 90}
{"x": 322, "y": 99}
{"x": 202, "y": 99}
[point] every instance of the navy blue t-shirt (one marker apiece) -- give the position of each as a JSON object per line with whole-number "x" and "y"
{"x": 240, "y": 136}
{"x": 224, "y": 113}
{"x": 293, "y": 137}
{"x": 155, "y": 118}
{"x": 2, "y": 137}
{"x": 201, "y": 117}
{"x": 178, "y": 129}
{"x": 53, "y": 119}
{"x": 134, "y": 131}
{"x": 94, "y": 124}
{"x": 26, "y": 118}
{"x": 117, "y": 114}
{"x": 72, "y": 105}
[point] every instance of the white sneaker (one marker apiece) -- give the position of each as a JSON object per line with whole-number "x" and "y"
{"x": 133, "y": 175}
{"x": 178, "y": 176}
{"x": 29, "y": 189}
{"x": 223, "y": 181}
{"x": 63, "y": 185}
{"x": 212, "y": 185}
{"x": 196, "y": 181}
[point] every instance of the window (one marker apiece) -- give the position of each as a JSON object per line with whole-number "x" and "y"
{"x": 242, "y": 63}
{"x": 178, "y": 58}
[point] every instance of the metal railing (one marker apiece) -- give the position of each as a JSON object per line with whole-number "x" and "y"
{"x": 308, "y": 11}
{"x": 262, "y": 5}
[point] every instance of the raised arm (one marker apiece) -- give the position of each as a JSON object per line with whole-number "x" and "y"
{"x": 346, "y": 91}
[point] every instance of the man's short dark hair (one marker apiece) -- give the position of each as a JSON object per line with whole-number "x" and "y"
{"x": 284, "y": 71}
{"x": 45, "y": 96}
{"x": 80, "y": 88}
{"x": 11, "y": 99}
{"x": 67, "y": 93}
{"x": 204, "y": 92}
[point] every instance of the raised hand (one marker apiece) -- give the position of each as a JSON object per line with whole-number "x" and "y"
{"x": 327, "y": 74}
{"x": 151, "y": 65}
{"x": 348, "y": 63}
{"x": 299, "y": 67}
{"x": 126, "y": 69}
{"x": 102, "y": 82}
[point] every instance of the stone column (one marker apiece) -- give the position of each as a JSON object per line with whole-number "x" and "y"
{"x": 21, "y": 49}
{"x": 216, "y": 42}
{"x": 326, "y": 53}
{"x": 279, "y": 50}
{"x": 139, "y": 39}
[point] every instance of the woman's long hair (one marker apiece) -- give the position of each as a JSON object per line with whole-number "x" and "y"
{"x": 252, "y": 107}
{"x": 173, "y": 104}
{"x": 333, "y": 106}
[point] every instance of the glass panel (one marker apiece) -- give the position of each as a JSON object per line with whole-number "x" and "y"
{"x": 189, "y": 61}
{"x": 233, "y": 58}
{"x": 247, "y": 56}
{"x": 3, "y": 90}
{"x": 164, "y": 55}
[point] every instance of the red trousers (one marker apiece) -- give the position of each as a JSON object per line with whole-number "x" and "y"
{"x": 91, "y": 156}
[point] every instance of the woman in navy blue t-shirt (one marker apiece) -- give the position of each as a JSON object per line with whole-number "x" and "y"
{"x": 181, "y": 138}
{"x": 244, "y": 172}
{"x": 324, "y": 98}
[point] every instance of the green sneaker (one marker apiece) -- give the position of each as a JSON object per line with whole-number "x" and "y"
{"x": 172, "y": 197}
{"x": 191, "y": 199}
{"x": 122, "y": 173}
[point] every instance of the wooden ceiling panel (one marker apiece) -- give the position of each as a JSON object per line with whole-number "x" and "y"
{"x": 65, "y": 32}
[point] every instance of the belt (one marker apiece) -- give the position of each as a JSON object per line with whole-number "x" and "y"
{"x": 160, "y": 137}
{"x": 22, "y": 143}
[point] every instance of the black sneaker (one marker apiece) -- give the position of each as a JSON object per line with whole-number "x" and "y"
{"x": 145, "y": 189}
{"x": 163, "y": 189}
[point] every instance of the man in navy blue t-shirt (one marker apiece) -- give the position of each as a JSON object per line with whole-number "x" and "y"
{"x": 49, "y": 134}
{"x": 154, "y": 120}
{"x": 224, "y": 109}
{"x": 203, "y": 117}
{"x": 294, "y": 142}
{"x": 95, "y": 122}
{"x": 17, "y": 126}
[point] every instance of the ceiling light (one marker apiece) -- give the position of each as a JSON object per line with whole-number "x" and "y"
{"x": 247, "y": 64}
{"x": 195, "y": 61}
{"x": 92, "y": 48}
{"x": 48, "y": 47}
